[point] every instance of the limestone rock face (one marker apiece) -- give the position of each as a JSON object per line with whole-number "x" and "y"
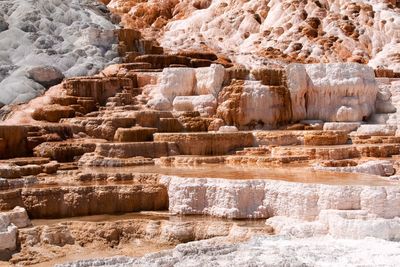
{"x": 210, "y": 79}
{"x": 81, "y": 201}
{"x": 268, "y": 198}
{"x": 177, "y": 82}
{"x": 13, "y": 141}
{"x": 218, "y": 143}
{"x": 75, "y": 37}
{"x": 205, "y": 104}
{"x": 332, "y": 92}
{"x": 249, "y": 104}
{"x": 53, "y": 113}
{"x": 351, "y": 224}
{"x": 377, "y": 130}
{"x": 188, "y": 89}
{"x": 376, "y": 167}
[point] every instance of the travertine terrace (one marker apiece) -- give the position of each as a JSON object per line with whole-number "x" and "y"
{"x": 244, "y": 133}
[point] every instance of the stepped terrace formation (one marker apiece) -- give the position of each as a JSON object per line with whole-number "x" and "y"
{"x": 177, "y": 151}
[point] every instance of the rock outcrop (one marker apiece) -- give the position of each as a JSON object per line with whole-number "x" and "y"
{"x": 250, "y": 104}
{"x": 267, "y": 198}
{"x": 86, "y": 200}
{"x": 332, "y": 92}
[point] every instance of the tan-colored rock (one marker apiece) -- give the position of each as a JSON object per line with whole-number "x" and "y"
{"x": 207, "y": 143}
{"x": 100, "y": 89}
{"x": 163, "y": 61}
{"x": 86, "y": 200}
{"x": 13, "y": 141}
{"x": 338, "y": 152}
{"x": 53, "y": 113}
{"x": 249, "y": 104}
{"x": 12, "y": 171}
{"x": 134, "y": 134}
{"x": 154, "y": 149}
{"x": 325, "y": 138}
{"x": 63, "y": 151}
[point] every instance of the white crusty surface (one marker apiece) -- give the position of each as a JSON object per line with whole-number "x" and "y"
{"x": 268, "y": 198}
{"x": 351, "y": 224}
{"x": 267, "y": 251}
{"x": 332, "y": 92}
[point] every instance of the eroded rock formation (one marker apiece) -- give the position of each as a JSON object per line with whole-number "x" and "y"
{"x": 227, "y": 122}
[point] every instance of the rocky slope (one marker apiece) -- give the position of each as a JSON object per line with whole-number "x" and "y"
{"x": 179, "y": 128}
{"x": 254, "y": 32}
{"x": 43, "y": 41}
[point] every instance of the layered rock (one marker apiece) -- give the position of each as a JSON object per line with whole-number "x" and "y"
{"x": 206, "y": 143}
{"x": 377, "y": 167}
{"x": 268, "y": 198}
{"x": 149, "y": 233}
{"x": 13, "y": 141}
{"x": 332, "y": 92}
{"x": 249, "y": 104}
{"x": 57, "y": 202}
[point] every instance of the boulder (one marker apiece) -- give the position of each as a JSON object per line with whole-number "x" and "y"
{"x": 46, "y": 75}
{"x": 19, "y": 217}
{"x": 332, "y": 92}
{"x": 383, "y": 102}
